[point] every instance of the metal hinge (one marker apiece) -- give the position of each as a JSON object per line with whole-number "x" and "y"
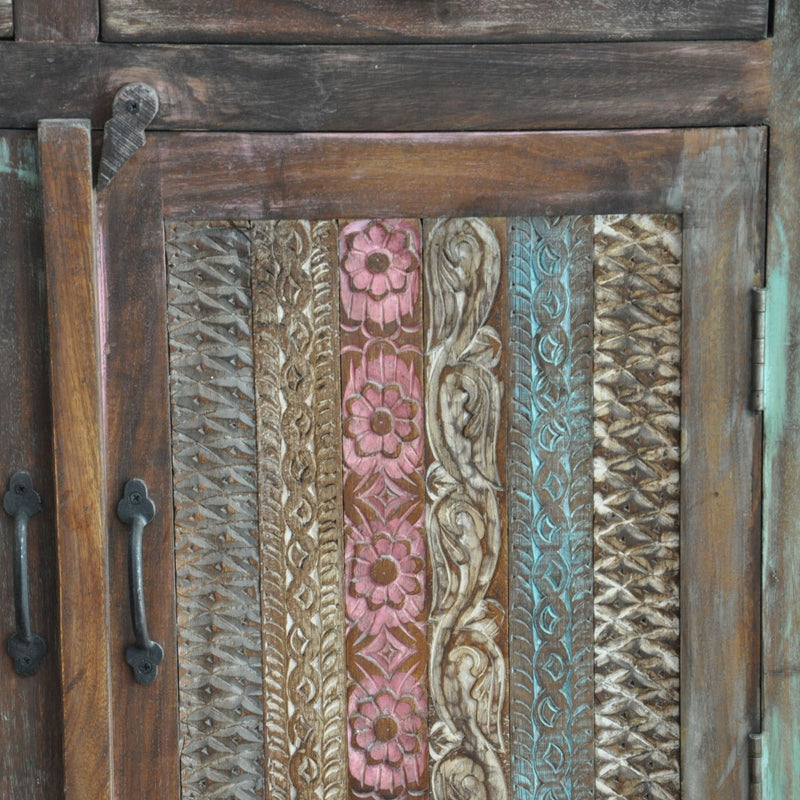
{"x": 759, "y": 349}
{"x": 755, "y": 766}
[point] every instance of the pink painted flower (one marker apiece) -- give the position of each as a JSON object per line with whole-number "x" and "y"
{"x": 387, "y": 734}
{"x": 383, "y": 417}
{"x": 385, "y": 583}
{"x": 380, "y": 270}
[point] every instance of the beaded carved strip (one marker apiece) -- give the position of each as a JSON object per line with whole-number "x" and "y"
{"x": 296, "y": 384}
{"x": 464, "y": 517}
{"x": 637, "y": 465}
{"x": 550, "y": 506}
{"x": 216, "y": 511}
{"x": 383, "y": 449}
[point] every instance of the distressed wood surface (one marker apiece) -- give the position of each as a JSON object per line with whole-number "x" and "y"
{"x": 781, "y": 681}
{"x": 295, "y": 330}
{"x": 384, "y": 507}
{"x": 311, "y": 175}
{"x": 30, "y": 752}
{"x": 6, "y": 19}
{"x": 453, "y": 20}
{"x": 464, "y": 517}
{"x": 75, "y": 21}
{"x": 723, "y": 240}
{"x": 73, "y": 311}
{"x": 216, "y": 511}
{"x": 550, "y": 497}
{"x": 131, "y": 247}
{"x": 632, "y": 85}
{"x": 637, "y": 427}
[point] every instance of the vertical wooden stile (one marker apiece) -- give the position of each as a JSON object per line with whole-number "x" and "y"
{"x": 79, "y": 448}
{"x": 720, "y": 460}
{"x": 781, "y": 609}
{"x": 131, "y": 234}
{"x": 30, "y": 752}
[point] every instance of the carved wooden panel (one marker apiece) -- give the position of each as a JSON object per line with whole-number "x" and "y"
{"x": 299, "y": 465}
{"x": 637, "y": 492}
{"x": 465, "y": 522}
{"x": 383, "y": 447}
{"x": 550, "y": 489}
{"x": 216, "y": 510}
{"x": 358, "y": 406}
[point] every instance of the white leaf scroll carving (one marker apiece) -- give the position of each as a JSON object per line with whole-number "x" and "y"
{"x": 462, "y": 401}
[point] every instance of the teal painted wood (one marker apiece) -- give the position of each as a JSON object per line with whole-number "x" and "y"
{"x": 550, "y": 508}
{"x": 781, "y": 565}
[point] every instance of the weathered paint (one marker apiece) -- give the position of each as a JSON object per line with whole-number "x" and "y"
{"x": 781, "y": 528}
{"x": 23, "y": 163}
{"x": 550, "y": 502}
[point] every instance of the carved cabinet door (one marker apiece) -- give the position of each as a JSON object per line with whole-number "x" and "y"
{"x": 455, "y": 474}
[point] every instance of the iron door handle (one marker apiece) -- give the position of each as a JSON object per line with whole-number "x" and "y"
{"x": 136, "y": 509}
{"x": 25, "y": 647}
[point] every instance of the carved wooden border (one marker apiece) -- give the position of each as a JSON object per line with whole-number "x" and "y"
{"x": 550, "y": 503}
{"x": 383, "y": 451}
{"x": 464, "y": 519}
{"x": 216, "y": 509}
{"x": 637, "y": 387}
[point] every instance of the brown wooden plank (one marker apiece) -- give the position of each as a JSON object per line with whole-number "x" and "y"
{"x": 56, "y": 20}
{"x": 320, "y": 176}
{"x": 79, "y": 448}
{"x": 720, "y": 473}
{"x": 6, "y": 19}
{"x": 30, "y": 752}
{"x": 447, "y": 20}
{"x": 138, "y": 440}
{"x": 781, "y": 687}
{"x": 507, "y": 87}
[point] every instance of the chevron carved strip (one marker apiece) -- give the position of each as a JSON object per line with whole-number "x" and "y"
{"x": 550, "y": 508}
{"x": 464, "y": 513}
{"x": 216, "y": 511}
{"x": 383, "y": 449}
{"x": 636, "y": 513}
{"x": 296, "y": 386}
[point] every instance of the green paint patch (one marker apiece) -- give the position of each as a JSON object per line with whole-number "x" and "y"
{"x": 21, "y": 162}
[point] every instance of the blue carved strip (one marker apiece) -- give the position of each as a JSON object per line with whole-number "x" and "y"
{"x": 550, "y": 508}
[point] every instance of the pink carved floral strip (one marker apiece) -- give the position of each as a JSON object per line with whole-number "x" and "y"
{"x": 383, "y": 449}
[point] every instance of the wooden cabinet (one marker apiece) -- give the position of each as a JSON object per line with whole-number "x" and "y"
{"x": 458, "y": 483}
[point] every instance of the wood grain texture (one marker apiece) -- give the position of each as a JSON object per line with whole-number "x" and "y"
{"x": 312, "y": 176}
{"x": 372, "y": 88}
{"x": 295, "y": 330}
{"x": 550, "y": 525}
{"x": 216, "y": 511}
{"x": 6, "y": 19}
{"x": 131, "y": 247}
{"x": 75, "y": 21}
{"x": 450, "y": 20}
{"x": 781, "y": 682}
{"x": 30, "y": 752}
{"x": 723, "y": 224}
{"x": 637, "y": 384}
{"x": 380, "y": 290}
{"x": 73, "y": 311}
{"x": 464, "y": 521}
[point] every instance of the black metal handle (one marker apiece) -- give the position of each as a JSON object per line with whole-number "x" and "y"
{"x": 25, "y": 647}
{"x": 137, "y": 509}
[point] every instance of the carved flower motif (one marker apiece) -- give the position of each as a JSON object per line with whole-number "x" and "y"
{"x": 382, "y": 420}
{"x": 380, "y": 282}
{"x": 385, "y": 582}
{"x": 387, "y": 734}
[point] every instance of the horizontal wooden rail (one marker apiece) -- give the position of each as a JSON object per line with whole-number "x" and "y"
{"x": 399, "y": 88}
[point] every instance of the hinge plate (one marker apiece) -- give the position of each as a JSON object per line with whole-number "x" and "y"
{"x": 759, "y": 348}
{"x": 756, "y": 755}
